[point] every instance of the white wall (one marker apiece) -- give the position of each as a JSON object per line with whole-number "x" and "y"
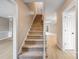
{"x": 59, "y": 29}
{"x": 8, "y": 8}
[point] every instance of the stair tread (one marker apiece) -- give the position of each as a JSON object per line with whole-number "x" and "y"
{"x": 33, "y": 46}
{"x": 36, "y": 26}
{"x": 35, "y": 35}
{"x": 36, "y": 31}
{"x": 33, "y": 31}
{"x": 32, "y": 53}
{"x": 34, "y": 40}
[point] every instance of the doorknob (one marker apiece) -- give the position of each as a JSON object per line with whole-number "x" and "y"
{"x": 72, "y": 32}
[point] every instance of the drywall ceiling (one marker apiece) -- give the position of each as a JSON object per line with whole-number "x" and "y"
{"x": 7, "y": 8}
{"x": 50, "y": 6}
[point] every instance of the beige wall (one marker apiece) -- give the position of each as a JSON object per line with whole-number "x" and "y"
{"x": 59, "y": 29}
{"x": 24, "y": 22}
{"x": 59, "y": 21}
{"x": 65, "y": 5}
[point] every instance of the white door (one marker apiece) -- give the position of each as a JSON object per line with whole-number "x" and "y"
{"x": 69, "y": 31}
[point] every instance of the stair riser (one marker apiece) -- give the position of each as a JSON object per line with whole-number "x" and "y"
{"x": 36, "y": 33}
{"x": 32, "y": 49}
{"x": 35, "y": 40}
{"x": 37, "y": 28}
{"x": 35, "y": 37}
{"x": 40, "y": 29}
{"x": 27, "y": 57}
{"x": 40, "y": 25}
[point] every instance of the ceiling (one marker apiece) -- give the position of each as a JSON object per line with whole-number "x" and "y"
{"x": 7, "y": 8}
{"x": 50, "y": 6}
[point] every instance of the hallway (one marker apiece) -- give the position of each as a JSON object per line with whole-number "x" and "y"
{"x": 33, "y": 45}
{"x": 41, "y": 35}
{"x": 38, "y": 29}
{"x": 54, "y": 52}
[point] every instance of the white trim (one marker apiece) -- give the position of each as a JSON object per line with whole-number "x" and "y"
{"x": 44, "y": 37}
{"x": 15, "y": 29}
{"x": 78, "y": 29}
{"x": 20, "y": 50}
{"x": 5, "y": 38}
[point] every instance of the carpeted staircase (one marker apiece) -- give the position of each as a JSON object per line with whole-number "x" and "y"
{"x": 33, "y": 47}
